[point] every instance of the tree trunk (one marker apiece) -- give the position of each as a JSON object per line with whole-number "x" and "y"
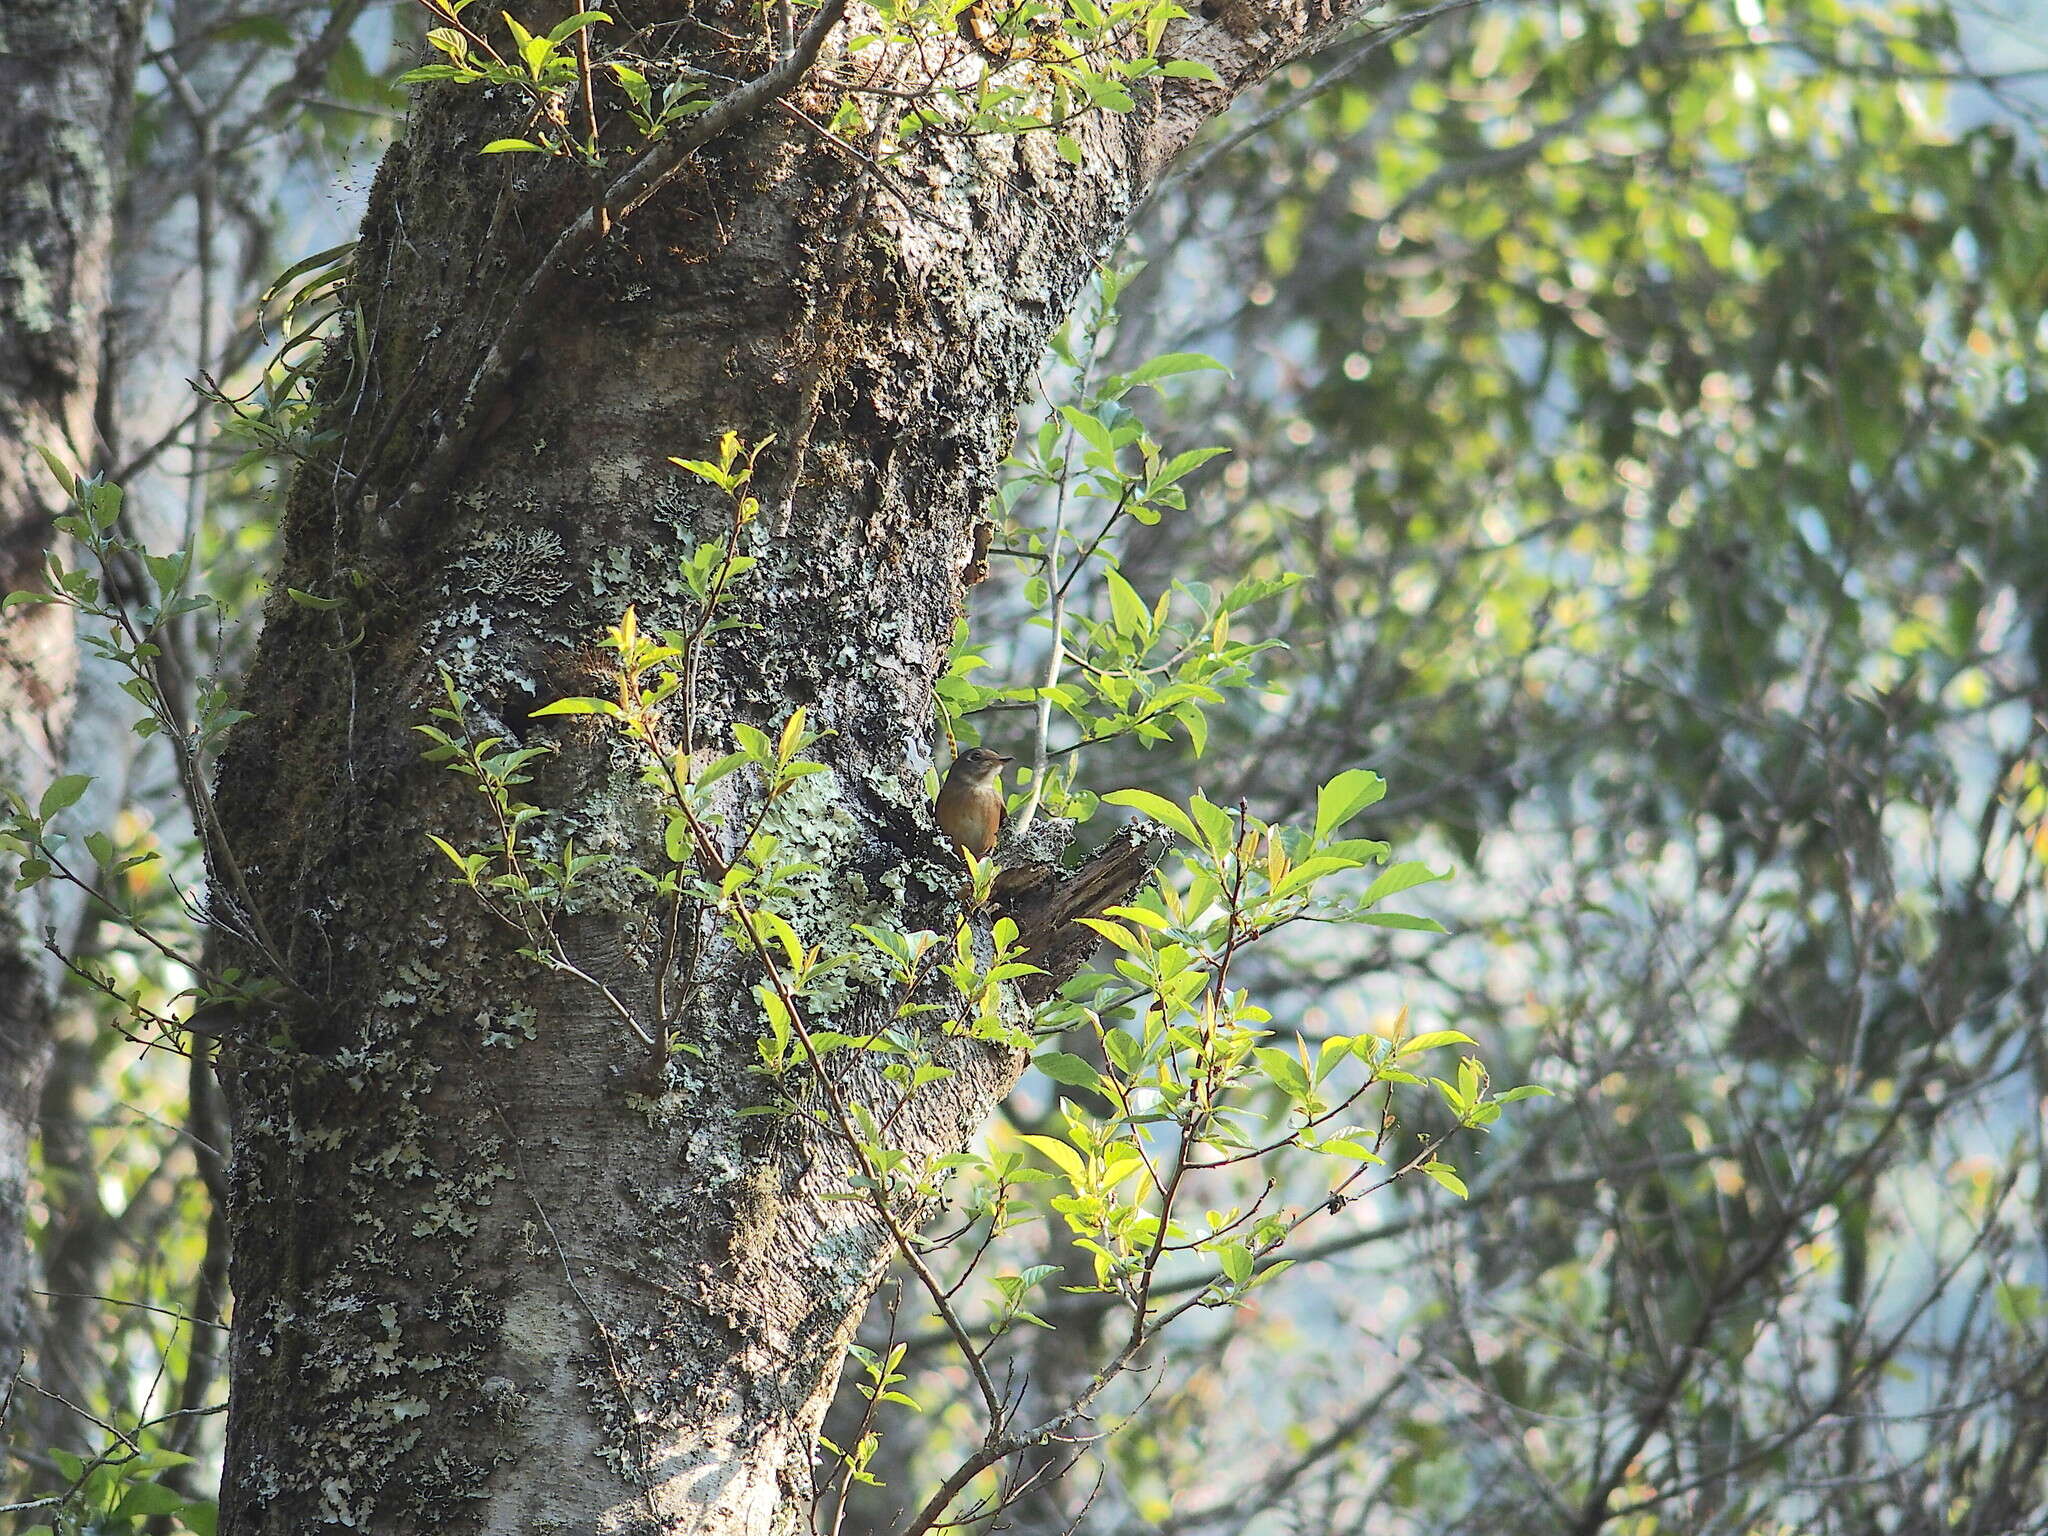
{"x": 64, "y": 82}
{"x": 488, "y": 1276}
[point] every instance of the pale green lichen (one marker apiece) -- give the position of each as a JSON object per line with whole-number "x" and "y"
{"x": 33, "y": 303}
{"x": 510, "y": 1026}
{"x": 891, "y": 789}
{"x": 815, "y": 828}
{"x": 513, "y": 562}
{"x": 613, "y": 572}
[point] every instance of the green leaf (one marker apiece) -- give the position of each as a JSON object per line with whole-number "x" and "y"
{"x": 1434, "y": 1040}
{"x": 1190, "y": 69}
{"x": 1236, "y": 1260}
{"x": 576, "y": 23}
{"x": 1345, "y": 796}
{"x": 1219, "y": 832}
{"x": 1105, "y": 93}
{"x": 1170, "y": 364}
{"x": 1064, "y": 1157}
{"x": 1116, "y": 933}
{"x": 778, "y": 929}
{"x": 460, "y": 861}
{"x": 577, "y": 707}
{"x": 1401, "y": 877}
{"x": 1144, "y": 917}
{"x": 722, "y": 767}
{"x": 1447, "y": 1176}
{"x": 1271, "y": 1272}
{"x": 428, "y": 72}
{"x": 1128, "y": 610}
{"x": 675, "y": 839}
{"x": 792, "y": 736}
{"x": 1093, "y": 432}
{"x": 1286, "y": 1073}
{"x": 1181, "y": 464}
{"x": 1158, "y": 807}
{"x": 704, "y": 470}
{"x": 56, "y": 467}
{"x": 62, "y": 794}
{"x": 1065, "y": 1067}
{"x": 103, "y": 505}
{"x": 1359, "y": 850}
{"x": 308, "y": 600}
{"x": 633, "y": 83}
{"x": 533, "y": 50}
{"x": 1309, "y": 871}
{"x": 511, "y": 146}
{"x": 1402, "y": 920}
{"x": 149, "y": 1499}
{"x": 1126, "y": 1052}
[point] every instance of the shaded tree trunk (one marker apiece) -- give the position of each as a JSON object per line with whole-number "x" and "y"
{"x": 64, "y": 81}
{"x": 489, "y": 1276}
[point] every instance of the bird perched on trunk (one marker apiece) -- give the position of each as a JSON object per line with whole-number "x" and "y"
{"x": 971, "y": 800}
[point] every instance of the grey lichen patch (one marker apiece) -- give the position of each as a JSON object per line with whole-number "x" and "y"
{"x": 715, "y": 1159}
{"x": 678, "y": 505}
{"x": 842, "y": 1256}
{"x": 672, "y": 1105}
{"x": 84, "y": 149}
{"x": 513, "y": 562}
{"x": 613, "y": 572}
{"x": 26, "y": 293}
{"x": 812, "y": 821}
{"x": 508, "y": 1027}
{"x": 615, "y": 817}
{"x": 362, "y": 1356}
{"x": 895, "y": 789}
{"x": 815, "y": 827}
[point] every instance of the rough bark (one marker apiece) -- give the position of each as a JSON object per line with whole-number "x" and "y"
{"x": 63, "y": 91}
{"x": 487, "y": 1278}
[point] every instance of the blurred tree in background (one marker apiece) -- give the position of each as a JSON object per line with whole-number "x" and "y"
{"x": 238, "y": 139}
{"x": 1651, "y": 396}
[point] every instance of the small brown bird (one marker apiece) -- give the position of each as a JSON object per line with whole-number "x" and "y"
{"x": 971, "y": 800}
